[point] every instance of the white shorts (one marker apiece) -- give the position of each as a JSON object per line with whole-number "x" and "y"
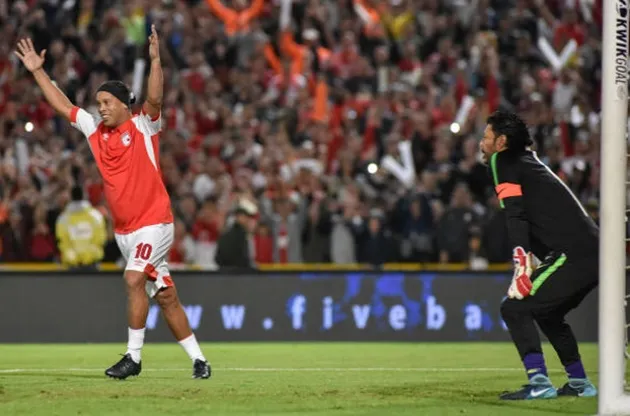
{"x": 146, "y": 250}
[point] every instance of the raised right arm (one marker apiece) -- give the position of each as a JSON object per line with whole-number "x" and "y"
{"x": 34, "y": 63}
{"x": 55, "y": 97}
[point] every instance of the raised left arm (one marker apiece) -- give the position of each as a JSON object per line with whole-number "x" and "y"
{"x": 155, "y": 88}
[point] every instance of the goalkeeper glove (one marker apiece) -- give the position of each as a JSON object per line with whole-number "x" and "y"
{"x": 521, "y": 281}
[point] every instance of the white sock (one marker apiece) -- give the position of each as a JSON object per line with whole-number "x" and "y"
{"x": 191, "y": 346}
{"x": 135, "y": 343}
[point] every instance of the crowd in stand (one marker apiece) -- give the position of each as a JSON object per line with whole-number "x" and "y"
{"x": 354, "y": 124}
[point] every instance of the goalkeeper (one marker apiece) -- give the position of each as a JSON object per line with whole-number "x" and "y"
{"x": 546, "y": 220}
{"x": 81, "y": 233}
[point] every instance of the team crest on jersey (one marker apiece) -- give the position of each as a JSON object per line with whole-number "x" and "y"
{"x": 126, "y": 138}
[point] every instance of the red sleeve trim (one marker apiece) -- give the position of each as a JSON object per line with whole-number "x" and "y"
{"x": 73, "y": 114}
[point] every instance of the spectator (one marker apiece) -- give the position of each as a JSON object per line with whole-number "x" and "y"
{"x": 288, "y": 222}
{"x": 41, "y": 242}
{"x": 263, "y": 244}
{"x": 343, "y": 248}
{"x": 238, "y": 20}
{"x": 205, "y": 233}
{"x": 345, "y": 106}
{"x": 234, "y": 248}
{"x": 477, "y": 260}
{"x": 375, "y": 243}
{"x": 454, "y": 227}
{"x": 81, "y": 233}
{"x": 317, "y": 230}
{"x": 418, "y": 243}
{"x": 184, "y": 250}
{"x": 13, "y": 239}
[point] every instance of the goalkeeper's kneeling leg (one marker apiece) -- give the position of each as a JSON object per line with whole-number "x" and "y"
{"x": 518, "y": 316}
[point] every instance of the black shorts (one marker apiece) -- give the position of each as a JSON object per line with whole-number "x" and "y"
{"x": 560, "y": 284}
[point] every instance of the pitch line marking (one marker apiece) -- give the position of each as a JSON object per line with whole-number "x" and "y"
{"x": 287, "y": 369}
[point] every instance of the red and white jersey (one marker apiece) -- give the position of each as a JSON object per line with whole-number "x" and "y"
{"x": 128, "y": 158}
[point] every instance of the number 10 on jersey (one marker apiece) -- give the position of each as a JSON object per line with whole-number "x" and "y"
{"x": 143, "y": 251}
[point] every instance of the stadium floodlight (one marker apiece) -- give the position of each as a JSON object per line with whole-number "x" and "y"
{"x": 612, "y": 267}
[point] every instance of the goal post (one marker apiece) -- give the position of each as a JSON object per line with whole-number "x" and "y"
{"x": 612, "y": 267}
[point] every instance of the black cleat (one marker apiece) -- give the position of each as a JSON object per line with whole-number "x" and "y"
{"x": 201, "y": 369}
{"x": 124, "y": 368}
{"x": 578, "y": 387}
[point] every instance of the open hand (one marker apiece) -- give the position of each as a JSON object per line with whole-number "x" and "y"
{"x": 31, "y": 60}
{"x": 154, "y": 44}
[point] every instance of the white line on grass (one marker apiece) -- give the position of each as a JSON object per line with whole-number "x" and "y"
{"x": 286, "y": 369}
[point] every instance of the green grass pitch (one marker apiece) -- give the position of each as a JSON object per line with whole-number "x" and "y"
{"x": 280, "y": 379}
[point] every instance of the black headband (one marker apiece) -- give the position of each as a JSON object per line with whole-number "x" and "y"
{"x": 119, "y": 90}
